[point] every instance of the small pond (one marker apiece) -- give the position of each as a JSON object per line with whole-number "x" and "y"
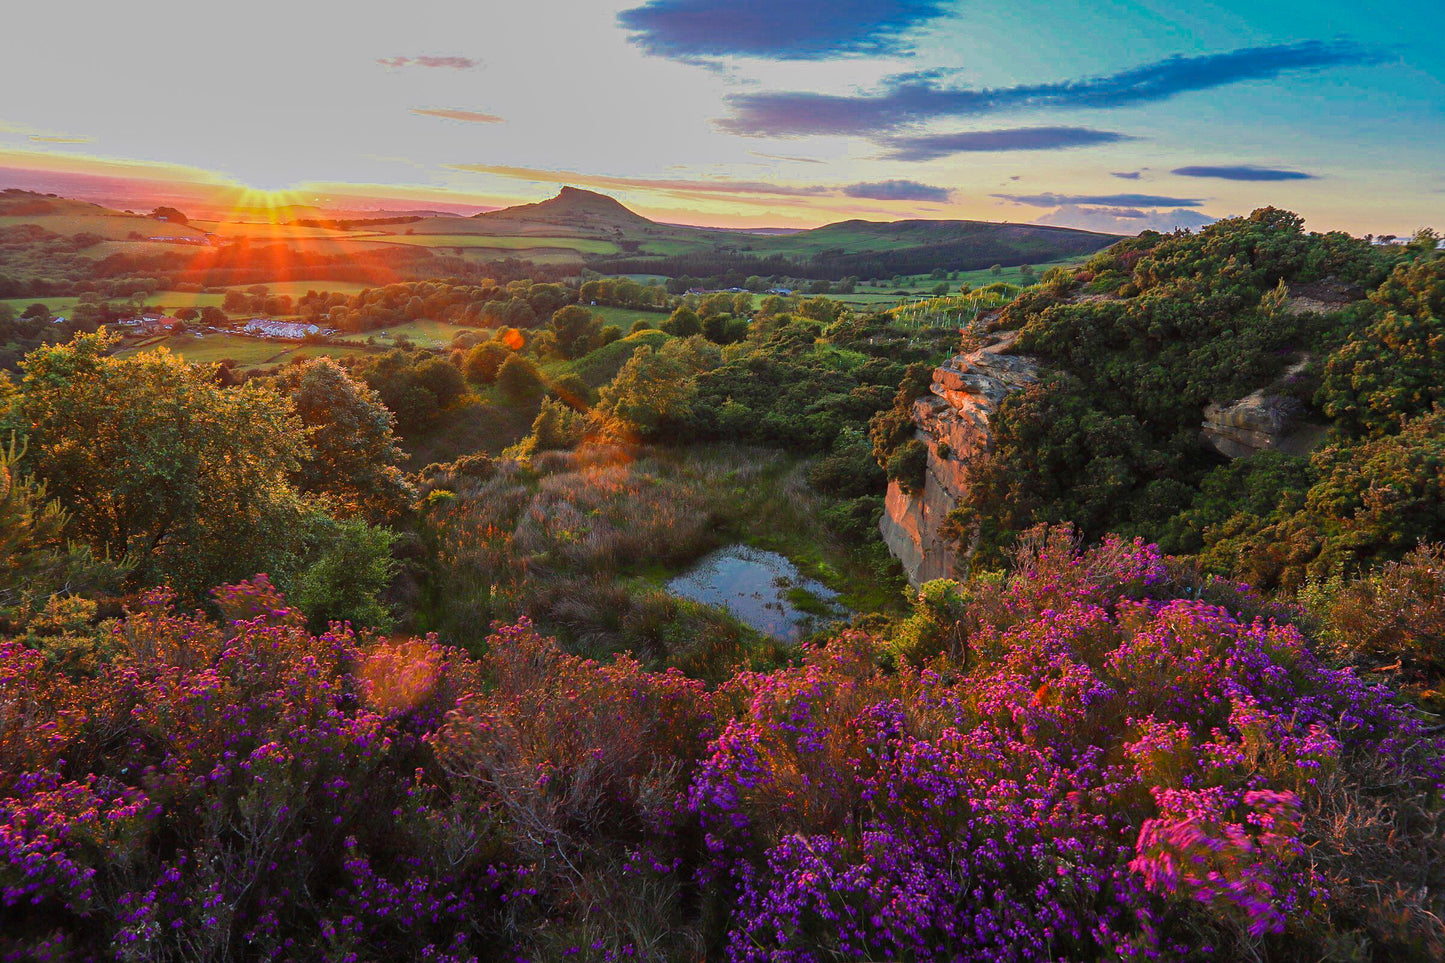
{"x": 761, "y": 589}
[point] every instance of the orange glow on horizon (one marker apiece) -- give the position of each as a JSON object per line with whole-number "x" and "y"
{"x": 207, "y": 195}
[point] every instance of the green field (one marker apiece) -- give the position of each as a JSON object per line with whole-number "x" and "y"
{"x": 506, "y": 243}
{"x": 167, "y": 300}
{"x": 296, "y": 289}
{"x": 422, "y": 333}
{"x": 867, "y": 296}
{"x": 623, "y": 317}
{"x": 246, "y": 352}
{"x": 115, "y": 227}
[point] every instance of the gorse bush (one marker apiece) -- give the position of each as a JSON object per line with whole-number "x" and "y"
{"x": 1335, "y": 332}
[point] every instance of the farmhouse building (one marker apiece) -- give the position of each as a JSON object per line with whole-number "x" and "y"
{"x": 286, "y": 330}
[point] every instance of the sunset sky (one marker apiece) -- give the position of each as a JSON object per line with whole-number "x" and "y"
{"x": 1109, "y": 115}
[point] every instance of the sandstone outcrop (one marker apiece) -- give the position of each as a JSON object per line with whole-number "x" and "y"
{"x": 952, "y": 420}
{"x": 1260, "y": 421}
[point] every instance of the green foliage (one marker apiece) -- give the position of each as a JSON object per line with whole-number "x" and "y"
{"x": 908, "y": 465}
{"x": 938, "y": 624}
{"x": 519, "y": 379}
{"x": 1394, "y": 369}
{"x": 164, "y": 469}
{"x": 683, "y": 323}
{"x": 602, "y": 365}
{"x": 1244, "y": 495}
{"x": 725, "y": 329}
{"x": 36, "y": 561}
{"x": 557, "y": 427}
{"x": 1058, "y": 456}
{"x": 352, "y": 452}
{"x": 654, "y": 391}
{"x": 849, "y": 469}
{"x": 484, "y": 361}
{"x": 576, "y": 331}
{"x": 571, "y": 390}
{"x": 1374, "y": 501}
{"x": 345, "y": 580}
{"x": 416, "y": 386}
{"x": 892, "y": 428}
{"x": 1111, "y": 443}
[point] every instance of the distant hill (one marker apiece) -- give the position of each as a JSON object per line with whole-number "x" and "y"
{"x": 67, "y": 218}
{"x": 882, "y": 248}
{"x": 854, "y": 248}
{"x": 573, "y": 209}
{"x": 575, "y": 229}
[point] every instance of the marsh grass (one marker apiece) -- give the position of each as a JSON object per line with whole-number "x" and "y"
{"x": 582, "y": 542}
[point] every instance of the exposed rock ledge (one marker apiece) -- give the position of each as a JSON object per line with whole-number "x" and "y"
{"x": 1260, "y": 422}
{"x": 954, "y": 414}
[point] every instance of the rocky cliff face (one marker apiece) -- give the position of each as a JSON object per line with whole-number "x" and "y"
{"x": 952, "y": 420}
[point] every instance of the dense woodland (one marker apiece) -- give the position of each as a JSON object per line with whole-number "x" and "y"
{"x": 271, "y": 687}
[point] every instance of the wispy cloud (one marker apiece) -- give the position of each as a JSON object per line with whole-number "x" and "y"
{"x": 39, "y": 139}
{"x": 455, "y": 63}
{"x": 777, "y": 29}
{"x": 913, "y": 98}
{"x": 1244, "y": 172}
{"x": 920, "y": 147}
{"x": 787, "y": 157}
{"x": 1127, "y": 175}
{"x": 1111, "y": 200}
{"x": 447, "y": 113}
{"x": 896, "y": 190}
{"x": 605, "y": 181}
{"x": 899, "y": 190}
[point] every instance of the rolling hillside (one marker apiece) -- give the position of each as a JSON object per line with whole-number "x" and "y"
{"x": 576, "y": 228}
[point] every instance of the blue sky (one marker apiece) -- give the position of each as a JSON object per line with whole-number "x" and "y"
{"x": 1116, "y": 116}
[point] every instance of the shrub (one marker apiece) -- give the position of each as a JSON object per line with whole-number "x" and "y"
{"x": 484, "y": 362}
{"x": 344, "y": 584}
{"x": 908, "y": 465}
{"x": 519, "y": 379}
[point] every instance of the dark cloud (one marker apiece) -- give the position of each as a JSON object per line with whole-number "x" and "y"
{"x": 456, "y": 63}
{"x": 898, "y": 191}
{"x": 912, "y": 98}
{"x": 1108, "y": 200}
{"x": 447, "y": 113}
{"x": 1128, "y": 175}
{"x": 920, "y": 147}
{"x": 1244, "y": 172}
{"x": 780, "y": 29}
